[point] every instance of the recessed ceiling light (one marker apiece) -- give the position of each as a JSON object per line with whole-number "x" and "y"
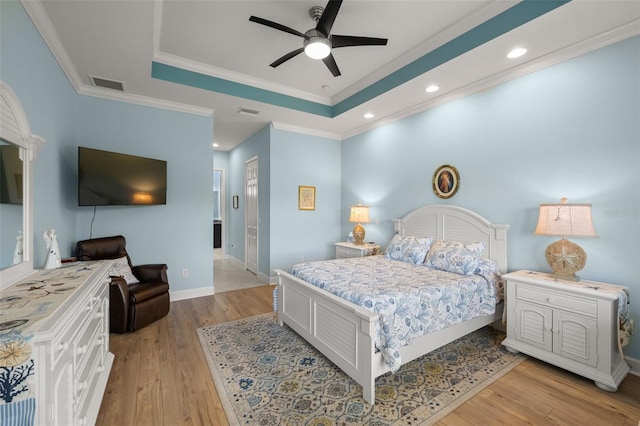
{"x": 369, "y": 115}
{"x": 516, "y": 53}
{"x": 215, "y": 145}
{"x": 432, "y": 88}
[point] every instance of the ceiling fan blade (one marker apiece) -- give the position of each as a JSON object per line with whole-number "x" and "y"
{"x": 286, "y": 57}
{"x": 346, "y": 41}
{"x": 275, "y": 25}
{"x": 328, "y": 17}
{"x": 330, "y": 62}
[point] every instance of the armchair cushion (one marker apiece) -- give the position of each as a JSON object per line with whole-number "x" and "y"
{"x": 156, "y": 272}
{"x": 145, "y": 291}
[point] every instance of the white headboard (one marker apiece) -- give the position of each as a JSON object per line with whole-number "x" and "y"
{"x": 446, "y": 222}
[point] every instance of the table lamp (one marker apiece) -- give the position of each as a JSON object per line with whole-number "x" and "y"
{"x": 565, "y": 220}
{"x": 359, "y": 214}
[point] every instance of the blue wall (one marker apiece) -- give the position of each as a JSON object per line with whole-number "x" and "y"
{"x": 568, "y": 130}
{"x": 67, "y": 120}
{"x": 287, "y": 235}
{"x": 256, "y": 146}
{"x": 27, "y": 66}
{"x": 303, "y": 234}
{"x": 179, "y": 233}
{"x": 571, "y": 130}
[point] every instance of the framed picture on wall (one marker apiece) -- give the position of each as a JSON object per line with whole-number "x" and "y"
{"x": 306, "y": 197}
{"x": 446, "y": 181}
{"x": 235, "y": 200}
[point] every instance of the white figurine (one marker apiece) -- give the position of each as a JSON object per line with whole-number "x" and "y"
{"x": 53, "y": 251}
{"x": 17, "y": 253}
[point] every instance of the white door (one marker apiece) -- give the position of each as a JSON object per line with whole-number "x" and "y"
{"x": 251, "y": 215}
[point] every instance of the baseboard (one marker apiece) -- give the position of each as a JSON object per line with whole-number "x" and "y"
{"x": 634, "y": 364}
{"x": 190, "y": 294}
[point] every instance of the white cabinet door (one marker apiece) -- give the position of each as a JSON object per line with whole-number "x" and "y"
{"x": 534, "y": 325}
{"x": 575, "y": 337}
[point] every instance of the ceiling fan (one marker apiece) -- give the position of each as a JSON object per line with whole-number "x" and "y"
{"x": 319, "y": 41}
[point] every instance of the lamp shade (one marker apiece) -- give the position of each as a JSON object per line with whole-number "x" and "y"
{"x": 359, "y": 214}
{"x": 565, "y": 220}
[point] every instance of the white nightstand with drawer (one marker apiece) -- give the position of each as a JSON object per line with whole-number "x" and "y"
{"x": 573, "y": 325}
{"x": 345, "y": 250}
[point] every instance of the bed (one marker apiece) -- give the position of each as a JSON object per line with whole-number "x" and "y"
{"x": 346, "y": 332}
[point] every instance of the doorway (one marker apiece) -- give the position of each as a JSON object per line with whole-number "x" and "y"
{"x": 218, "y": 213}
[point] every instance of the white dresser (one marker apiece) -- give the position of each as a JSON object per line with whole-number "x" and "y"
{"x": 345, "y": 250}
{"x": 573, "y": 325}
{"x": 59, "y": 319}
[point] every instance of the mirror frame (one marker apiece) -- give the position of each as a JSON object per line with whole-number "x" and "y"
{"x": 15, "y": 129}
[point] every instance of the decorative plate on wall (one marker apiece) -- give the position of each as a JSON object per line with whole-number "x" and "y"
{"x": 446, "y": 181}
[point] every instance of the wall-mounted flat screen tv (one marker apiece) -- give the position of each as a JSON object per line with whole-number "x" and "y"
{"x": 113, "y": 179}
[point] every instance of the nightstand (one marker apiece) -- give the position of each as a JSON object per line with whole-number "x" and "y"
{"x": 570, "y": 324}
{"x": 345, "y": 250}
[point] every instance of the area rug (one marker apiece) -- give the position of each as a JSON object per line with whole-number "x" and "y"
{"x": 266, "y": 374}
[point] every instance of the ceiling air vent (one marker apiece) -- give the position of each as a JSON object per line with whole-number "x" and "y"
{"x": 248, "y": 111}
{"x": 107, "y": 84}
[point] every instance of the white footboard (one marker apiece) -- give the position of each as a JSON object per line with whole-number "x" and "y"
{"x": 344, "y": 332}
{"x": 341, "y": 330}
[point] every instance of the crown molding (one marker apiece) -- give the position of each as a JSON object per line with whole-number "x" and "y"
{"x": 623, "y": 32}
{"x": 39, "y": 17}
{"x": 305, "y": 130}
{"x": 99, "y": 92}
{"x": 235, "y": 77}
{"x": 210, "y": 70}
{"x": 445, "y": 35}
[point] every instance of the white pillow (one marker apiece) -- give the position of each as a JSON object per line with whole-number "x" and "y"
{"x": 120, "y": 268}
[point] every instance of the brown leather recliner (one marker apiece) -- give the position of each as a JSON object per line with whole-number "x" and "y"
{"x": 131, "y": 306}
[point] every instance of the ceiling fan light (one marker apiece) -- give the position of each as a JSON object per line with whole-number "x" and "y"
{"x": 317, "y": 47}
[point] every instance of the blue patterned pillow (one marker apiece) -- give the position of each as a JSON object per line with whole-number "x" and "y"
{"x": 487, "y": 269}
{"x": 408, "y": 249}
{"x": 454, "y": 256}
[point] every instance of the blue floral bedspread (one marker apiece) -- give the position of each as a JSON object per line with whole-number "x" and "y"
{"x": 411, "y": 300}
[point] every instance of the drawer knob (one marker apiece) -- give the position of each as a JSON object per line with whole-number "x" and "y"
{"x": 549, "y": 300}
{"x": 81, "y": 350}
{"x": 63, "y": 346}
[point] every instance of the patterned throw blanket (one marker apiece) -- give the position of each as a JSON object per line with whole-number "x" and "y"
{"x": 411, "y": 300}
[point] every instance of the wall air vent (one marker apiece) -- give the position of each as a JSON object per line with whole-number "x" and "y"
{"x": 107, "y": 84}
{"x": 248, "y": 111}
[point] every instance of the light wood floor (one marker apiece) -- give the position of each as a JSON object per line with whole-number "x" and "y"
{"x": 160, "y": 377}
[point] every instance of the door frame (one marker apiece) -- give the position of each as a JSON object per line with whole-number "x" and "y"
{"x": 223, "y": 212}
{"x": 246, "y": 214}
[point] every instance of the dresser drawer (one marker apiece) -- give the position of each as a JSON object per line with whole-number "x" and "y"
{"x": 557, "y": 300}
{"x": 84, "y": 341}
{"x": 86, "y": 382}
{"x": 342, "y": 252}
{"x": 62, "y": 342}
